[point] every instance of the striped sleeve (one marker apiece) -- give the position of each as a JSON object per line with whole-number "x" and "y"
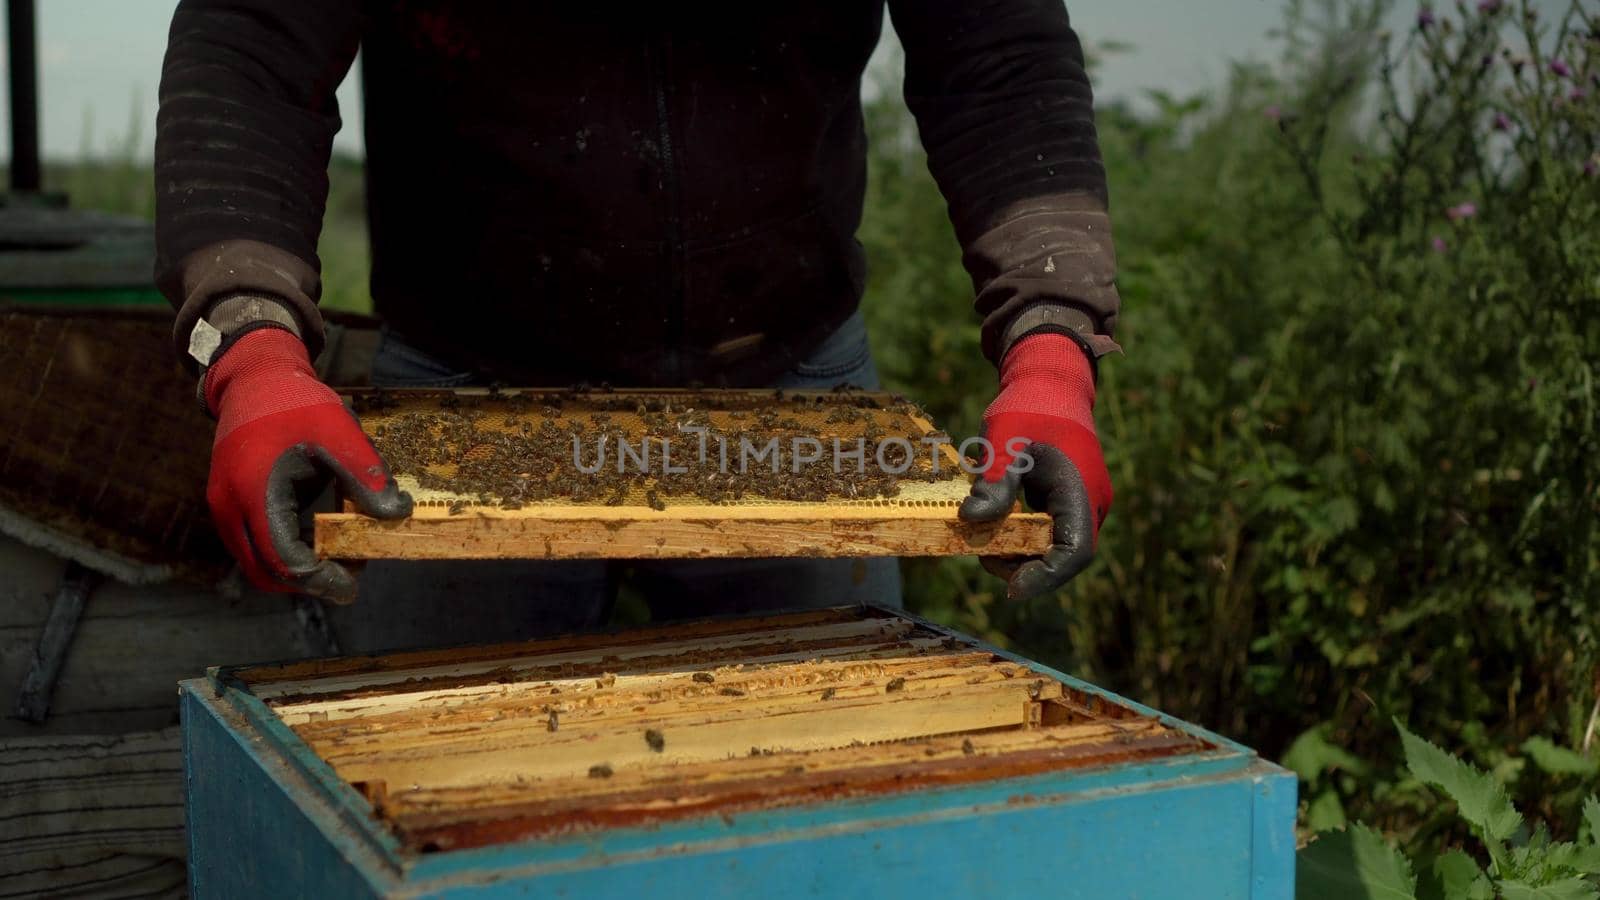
{"x": 1004, "y": 107}
{"x": 243, "y": 137}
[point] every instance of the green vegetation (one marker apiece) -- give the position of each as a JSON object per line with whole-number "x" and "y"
{"x": 1523, "y": 861}
{"x": 1354, "y": 436}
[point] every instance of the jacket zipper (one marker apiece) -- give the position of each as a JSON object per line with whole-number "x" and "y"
{"x": 674, "y": 224}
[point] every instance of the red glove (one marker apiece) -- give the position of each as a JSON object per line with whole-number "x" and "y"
{"x": 1045, "y": 412}
{"x": 281, "y": 435}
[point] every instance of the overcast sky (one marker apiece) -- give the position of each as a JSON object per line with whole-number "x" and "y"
{"x": 100, "y": 60}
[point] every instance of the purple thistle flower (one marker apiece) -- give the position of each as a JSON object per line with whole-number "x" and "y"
{"x": 1489, "y": 6}
{"x": 1461, "y": 211}
{"x": 1273, "y": 113}
{"x": 1425, "y": 17}
{"x": 1577, "y": 94}
{"x": 1439, "y": 246}
{"x": 1502, "y": 122}
{"x": 1560, "y": 69}
{"x": 1591, "y": 166}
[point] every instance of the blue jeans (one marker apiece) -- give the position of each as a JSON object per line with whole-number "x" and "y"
{"x": 437, "y": 603}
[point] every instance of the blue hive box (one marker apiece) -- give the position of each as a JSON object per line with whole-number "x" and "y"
{"x": 833, "y": 753}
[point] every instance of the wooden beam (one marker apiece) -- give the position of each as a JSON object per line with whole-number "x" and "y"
{"x": 599, "y": 750}
{"x": 488, "y": 699}
{"x": 688, "y": 654}
{"x": 769, "y": 692}
{"x": 679, "y": 532}
{"x": 442, "y": 804}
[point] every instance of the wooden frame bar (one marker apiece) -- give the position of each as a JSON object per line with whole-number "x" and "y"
{"x": 682, "y": 528}
{"x": 687, "y": 532}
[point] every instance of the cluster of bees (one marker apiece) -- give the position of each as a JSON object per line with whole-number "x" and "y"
{"x": 514, "y": 450}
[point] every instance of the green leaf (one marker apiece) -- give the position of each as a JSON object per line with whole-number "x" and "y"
{"x": 1312, "y": 754}
{"x": 1591, "y": 818}
{"x": 1566, "y": 889}
{"x": 1325, "y": 812}
{"x": 1480, "y": 799}
{"x": 1581, "y": 858}
{"x": 1557, "y": 760}
{"x": 1353, "y": 864}
{"x": 1455, "y": 876}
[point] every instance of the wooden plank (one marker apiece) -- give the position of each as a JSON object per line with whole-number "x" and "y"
{"x": 68, "y": 796}
{"x": 759, "y": 694}
{"x": 498, "y": 697}
{"x": 131, "y": 646}
{"x": 792, "y": 788}
{"x": 680, "y": 532}
{"x": 533, "y": 754}
{"x": 690, "y": 654}
{"x": 796, "y": 784}
{"x": 438, "y": 805}
{"x": 886, "y": 650}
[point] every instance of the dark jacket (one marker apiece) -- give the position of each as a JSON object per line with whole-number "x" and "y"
{"x": 589, "y": 191}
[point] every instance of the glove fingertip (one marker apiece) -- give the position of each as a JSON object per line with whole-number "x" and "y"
{"x": 389, "y": 503}
{"x": 330, "y": 581}
{"x": 1030, "y": 580}
{"x": 1002, "y": 567}
{"x": 989, "y": 501}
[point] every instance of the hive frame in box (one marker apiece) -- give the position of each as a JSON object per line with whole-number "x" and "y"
{"x": 268, "y": 817}
{"x": 902, "y": 526}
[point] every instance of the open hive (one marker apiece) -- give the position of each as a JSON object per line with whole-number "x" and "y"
{"x": 475, "y": 747}
{"x": 667, "y": 474}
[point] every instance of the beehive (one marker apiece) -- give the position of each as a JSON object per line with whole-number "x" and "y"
{"x": 856, "y": 751}
{"x": 496, "y": 475}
